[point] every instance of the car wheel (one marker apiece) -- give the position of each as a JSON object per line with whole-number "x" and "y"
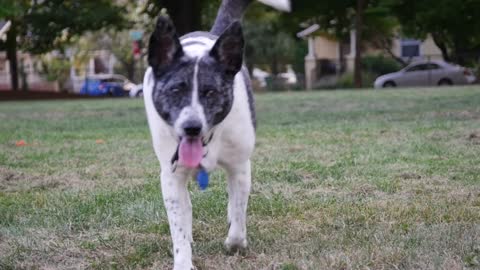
{"x": 140, "y": 94}
{"x": 389, "y": 84}
{"x": 445, "y": 82}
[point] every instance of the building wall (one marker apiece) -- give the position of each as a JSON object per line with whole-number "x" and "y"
{"x": 34, "y": 80}
{"x": 429, "y": 49}
{"x": 326, "y": 48}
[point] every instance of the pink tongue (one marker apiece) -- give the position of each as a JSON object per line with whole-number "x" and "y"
{"x": 190, "y": 152}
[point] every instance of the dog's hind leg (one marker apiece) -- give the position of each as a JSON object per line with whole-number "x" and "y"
{"x": 179, "y": 211}
{"x": 239, "y": 182}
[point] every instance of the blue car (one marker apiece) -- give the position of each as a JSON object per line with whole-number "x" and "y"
{"x": 106, "y": 85}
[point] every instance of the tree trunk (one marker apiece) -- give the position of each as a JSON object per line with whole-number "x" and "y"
{"x": 11, "y": 45}
{"x": 186, "y": 15}
{"x": 442, "y": 46}
{"x": 358, "y": 43}
{"x": 23, "y": 75}
{"x": 387, "y": 47}
{"x": 341, "y": 58}
{"x": 131, "y": 71}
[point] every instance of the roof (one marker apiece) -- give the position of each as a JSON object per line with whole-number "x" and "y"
{"x": 308, "y": 31}
{"x": 4, "y": 26}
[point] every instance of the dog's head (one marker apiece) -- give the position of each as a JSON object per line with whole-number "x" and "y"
{"x": 193, "y": 93}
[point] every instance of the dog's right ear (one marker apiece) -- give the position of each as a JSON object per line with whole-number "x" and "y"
{"x": 164, "y": 46}
{"x": 228, "y": 49}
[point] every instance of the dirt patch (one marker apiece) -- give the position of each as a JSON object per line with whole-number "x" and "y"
{"x": 13, "y": 181}
{"x": 409, "y": 175}
{"x": 474, "y": 137}
{"x": 88, "y": 179}
{"x": 459, "y": 115}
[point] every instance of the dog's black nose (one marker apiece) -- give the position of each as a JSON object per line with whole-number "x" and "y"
{"x": 192, "y": 128}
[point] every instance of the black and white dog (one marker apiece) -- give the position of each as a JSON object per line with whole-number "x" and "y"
{"x": 200, "y": 111}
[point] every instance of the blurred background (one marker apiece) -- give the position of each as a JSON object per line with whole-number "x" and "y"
{"x": 99, "y": 47}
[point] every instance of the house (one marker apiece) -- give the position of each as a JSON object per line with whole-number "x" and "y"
{"x": 4, "y": 27}
{"x": 26, "y": 66}
{"x": 327, "y": 57}
{"x": 30, "y": 66}
{"x": 26, "y": 62}
{"x": 100, "y": 61}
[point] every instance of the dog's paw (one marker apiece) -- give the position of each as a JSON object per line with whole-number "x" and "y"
{"x": 234, "y": 245}
{"x": 183, "y": 266}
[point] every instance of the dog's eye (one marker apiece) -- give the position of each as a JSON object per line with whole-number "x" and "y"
{"x": 177, "y": 88}
{"x": 210, "y": 92}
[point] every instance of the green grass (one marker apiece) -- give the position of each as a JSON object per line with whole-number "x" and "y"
{"x": 342, "y": 180}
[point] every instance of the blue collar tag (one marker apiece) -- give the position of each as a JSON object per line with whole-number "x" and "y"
{"x": 202, "y": 179}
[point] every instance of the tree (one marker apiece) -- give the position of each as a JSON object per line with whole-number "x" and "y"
{"x": 185, "y": 14}
{"x": 454, "y": 25}
{"x": 41, "y": 26}
{"x": 267, "y": 44}
{"x": 119, "y": 43}
{"x": 12, "y": 11}
{"x": 380, "y": 30}
{"x": 359, "y": 14}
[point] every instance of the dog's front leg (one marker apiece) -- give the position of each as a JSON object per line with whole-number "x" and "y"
{"x": 239, "y": 182}
{"x": 179, "y": 211}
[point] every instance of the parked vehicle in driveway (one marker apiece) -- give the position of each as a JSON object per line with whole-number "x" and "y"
{"x": 136, "y": 91}
{"x": 427, "y": 73}
{"x": 107, "y": 85}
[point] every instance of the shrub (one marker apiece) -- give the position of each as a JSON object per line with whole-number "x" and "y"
{"x": 379, "y": 65}
{"x": 373, "y": 66}
{"x": 346, "y": 80}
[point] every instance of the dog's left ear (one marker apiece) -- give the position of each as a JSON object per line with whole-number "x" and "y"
{"x": 228, "y": 49}
{"x": 164, "y": 46}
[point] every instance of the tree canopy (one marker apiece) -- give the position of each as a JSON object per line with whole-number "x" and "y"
{"x": 41, "y": 26}
{"x": 454, "y": 25}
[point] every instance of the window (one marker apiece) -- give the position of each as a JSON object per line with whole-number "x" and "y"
{"x": 432, "y": 66}
{"x": 417, "y": 68}
{"x": 410, "y": 48}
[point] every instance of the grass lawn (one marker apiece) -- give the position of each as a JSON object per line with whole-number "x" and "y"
{"x": 341, "y": 180}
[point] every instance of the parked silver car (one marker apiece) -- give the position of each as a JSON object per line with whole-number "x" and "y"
{"x": 426, "y": 73}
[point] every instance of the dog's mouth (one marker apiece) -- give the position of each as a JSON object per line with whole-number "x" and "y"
{"x": 190, "y": 151}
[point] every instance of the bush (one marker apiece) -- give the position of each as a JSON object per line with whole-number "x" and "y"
{"x": 55, "y": 69}
{"x": 373, "y": 66}
{"x": 379, "y": 65}
{"x": 346, "y": 80}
